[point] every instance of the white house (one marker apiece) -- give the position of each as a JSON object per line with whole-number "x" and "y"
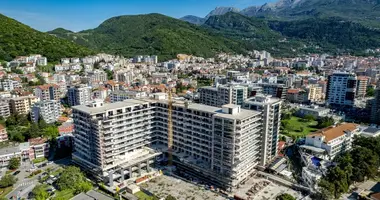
{"x": 331, "y": 141}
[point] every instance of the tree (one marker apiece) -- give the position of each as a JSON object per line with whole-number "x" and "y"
{"x": 309, "y": 118}
{"x": 285, "y": 196}
{"x": 370, "y": 92}
{"x": 42, "y": 124}
{"x": 14, "y": 163}
{"x": 51, "y": 132}
{"x": 34, "y": 131}
{"x": 365, "y": 165}
{"x": 39, "y": 192}
{"x": 325, "y": 122}
{"x": 73, "y": 179}
{"x": 7, "y": 180}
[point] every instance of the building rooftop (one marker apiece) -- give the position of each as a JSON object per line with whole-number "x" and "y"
{"x": 37, "y": 141}
{"x": 108, "y": 106}
{"x": 262, "y": 99}
{"x": 332, "y": 132}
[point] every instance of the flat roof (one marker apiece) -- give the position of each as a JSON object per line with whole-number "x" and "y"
{"x": 108, "y": 106}
{"x": 371, "y": 130}
{"x": 10, "y": 150}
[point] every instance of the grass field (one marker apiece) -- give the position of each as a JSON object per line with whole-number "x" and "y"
{"x": 142, "y": 196}
{"x": 64, "y": 194}
{"x": 295, "y": 127}
{"x": 5, "y": 191}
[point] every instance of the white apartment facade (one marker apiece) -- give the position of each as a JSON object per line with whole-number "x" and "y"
{"x": 9, "y": 85}
{"x": 49, "y": 111}
{"x": 341, "y": 89}
{"x": 79, "y": 95}
{"x": 270, "y": 108}
{"x": 121, "y": 140}
{"x": 223, "y": 94}
{"x": 4, "y": 108}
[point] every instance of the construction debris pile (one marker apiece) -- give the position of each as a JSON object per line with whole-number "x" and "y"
{"x": 257, "y": 187}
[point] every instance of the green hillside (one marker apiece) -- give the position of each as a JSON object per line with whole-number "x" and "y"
{"x": 17, "y": 39}
{"x": 331, "y": 34}
{"x": 153, "y": 34}
{"x": 254, "y": 33}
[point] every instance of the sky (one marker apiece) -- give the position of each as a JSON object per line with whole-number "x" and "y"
{"x": 77, "y": 15}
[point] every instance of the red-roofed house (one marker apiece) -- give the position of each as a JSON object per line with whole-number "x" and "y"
{"x": 48, "y": 92}
{"x": 39, "y": 148}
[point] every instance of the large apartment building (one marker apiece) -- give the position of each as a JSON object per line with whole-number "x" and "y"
{"x": 22, "y": 105}
{"x": 79, "y": 95}
{"x": 121, "y": 140}
{"x": 49, "y": 111}
{"x": 270, "y": 107}
{"x": 341, "y": 89}
{"x": 4, "y": 108}
{"x": 223, "y": 94}
{"x": 48, "y": 92}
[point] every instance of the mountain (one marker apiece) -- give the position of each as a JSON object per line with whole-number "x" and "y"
{"x": 222, "y": 11}
{"x": 330, "y": 34}
{"x": 59, "y": 31}
{"x": 193, "y": 19}
{"x": 17, "y": 39}
{"x": 253, "y": 32}
{"x": 363, "y": 11}
{"x": 154, "y": 34}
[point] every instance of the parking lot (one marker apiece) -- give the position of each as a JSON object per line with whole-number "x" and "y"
{"x": 164, "y": 185}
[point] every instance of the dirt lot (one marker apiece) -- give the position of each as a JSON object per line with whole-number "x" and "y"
{"x": 164, "y": 185}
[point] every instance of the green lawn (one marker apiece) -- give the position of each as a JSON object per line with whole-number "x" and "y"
{"x": 64, "y": 194}
{"x": 5, "y": 191}
{"x": 39, "y": 160}
{"x": 142, "y": 196}
{"x": 295, "y": 127}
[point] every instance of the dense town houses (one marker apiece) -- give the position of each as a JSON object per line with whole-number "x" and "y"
{"x": 227, "y": 112}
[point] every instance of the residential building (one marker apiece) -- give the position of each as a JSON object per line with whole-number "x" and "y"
{"x": 7, "y": 153}
{"x": 121, "y": 95}
{"x": 22, "y": 105}
{"x": 315, "y": 111}
{"x": 97, "y": 76}
{"x": 121, "y": 140}
{"x": 341, "y": 89}
{"x": 297, "y": 96}
{"x": 4, "y": 108}
{"x": 38, "y": 148}
{"x": 48, "y": 92}
{"x": 223, "y": 94}
{"x": 375, "y": 108}
{"x": 42, "y": 61}
{"x": 275, "y": 90}
{"x": 3, "y": 134}
{"x": 315, "y": 93}
{"x": 361, "y": 86}
{"x": 49, "y": 111}
{"x": 314, "y": 169}
{"x": 79, "y": 95}
{"x": 270, "y": 108}
{"x": 331, "y": 141}
{"x": 123, "y": 75}
{"x": 9, "y": 85}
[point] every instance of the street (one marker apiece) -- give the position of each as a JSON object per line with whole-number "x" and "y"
{"x": 25, "y": 185}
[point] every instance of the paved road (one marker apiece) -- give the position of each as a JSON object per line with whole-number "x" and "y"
{"x": 25, "y": 185}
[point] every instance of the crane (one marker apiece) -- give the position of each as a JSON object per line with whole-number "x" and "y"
{"x": 170, "y": 127}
